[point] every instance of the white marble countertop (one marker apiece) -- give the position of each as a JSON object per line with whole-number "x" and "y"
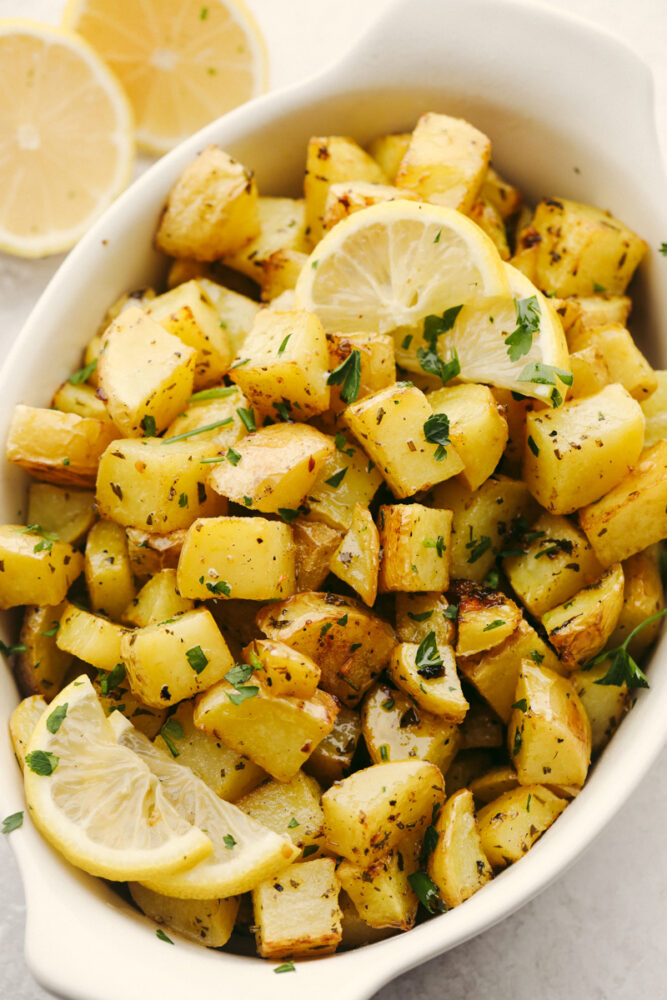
{"x": 599, "y": 932}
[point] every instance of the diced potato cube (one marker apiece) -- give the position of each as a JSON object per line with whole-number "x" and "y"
{"x": 347, "y": 197}
{"x": 90, "y": 638}
{"x": 596, "y": 442}
{"x": 108, "y": 570}
{"x": 493, "y": 784}
{"x": 496, "y": 671}
{"x": 574, "y": 249}
{"x": 487, "y": 217}
{"x": 346, "y": 478}
{"x": 22, "y": 721}
{"x": 415, "y": 547}
{"x": 605, "y": 704}
{"x": 357, "y": 559}
{"x": 229, "y": 774}
{"x": 390, "y": 426}
{"x": 396, "y": 728}
{"x": 557, "y": 562}
{"x": 280, "y": 273}
{"x": 632, "y": 515}
{"x": 212, "y": 210}
{"x": 580, "y": 628}
{"x": 173, "y": 660}
{"x": 428, "y": 674}
{"x": 80, "y": 399}
{"x": 483, "y": 519}
{"x": 236, "y": 313}
{"x": 330, "y": 159}
{"x": 376, "y": 360}
{"x": 505, "y": 198}
{"x": 446, "y": 161}
{"x": 368, "y": 813}
{"x": 282, "y": 223}
{"x": 510, "y": 824}
{"x": 242, "y": 557}
{"x": 476, "y": 428}
{"x": 314, "y": 545}
{"x": 382, "y": 892}
{"x": 389, "y": 150}
{"x": 298, "y": 915}
{"x": 287, "y": 362}
{"x": 514, "y": 411}
{"x": 278, "y": 733}
{"x": 287, "y": 672}
{"x": 274, "y": 468}
{"x": 206, "y": 921}
{"x": 149, "y": 484}
{"x": 458, "y": 865}
{"x": 599, "y": 310}
{"x": 145, "y": 373}
{"x": 655, "y": 411}
{"x": 350, "y": 643}
{"x": 485, "y": 619}
{"x": 58, "y": 447}
{"x": 626, "y": 363}
{"x": 549, "y": 735}
{"x": 41, "y": 667}
{"x": 187, "y": 312}
{"x": 331, "y": 759}
{"x": 291, "y": 808}
{"x": 157, "y": 600}
{"x": 67, "y": 513}
{"x": 589, "y": 370}
{"x": 150, "y": 553}
{"x": 219, "y": 414}
{"x": 419, "y": 614}
{"x": 643, "y": 596}
{"x": 33, "y": 568}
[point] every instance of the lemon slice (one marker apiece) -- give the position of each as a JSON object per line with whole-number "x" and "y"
{"x": 182, "y": 62}
{"x": 245, "y": 851}
{"x": 390, "y": 265}
{"x": 96, "y": 801}
{"x": 480, "y": 337}
{"x": 66, "y": 138}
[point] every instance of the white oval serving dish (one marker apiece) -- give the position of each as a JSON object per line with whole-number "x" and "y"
{"x": 570, "y": 113}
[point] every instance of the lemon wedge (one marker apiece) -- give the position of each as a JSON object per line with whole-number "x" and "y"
{"x": 391, "y": 265}
{"x": 66, "y": 138}
{"x": 97, "y": 802}
{"x": 245, "y": 851}
{"x": 182, "y": 62}
{"x": 516, "y": 343}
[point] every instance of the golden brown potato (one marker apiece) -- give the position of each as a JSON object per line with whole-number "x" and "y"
{"x": 643, "y": 596}
{"x": 458, "y": 865}
{"x": 605, "y": 704}
{"x": 314, "y": 546}
{"x": 477, "y": 429}
{"x": 382, "y": 893}
{"x": 42, "y": 666}
{"x": 419, "y": 614}
{"x": 510, "y": 824}
{"x": 346, "y": 197}
{"x": 377, "y": 367}
{"x": 291, "y": 808}
{"x": 428, "y": 674}
{"x": 285, "y": 670}
{"x": 346, "y": 478}
{"x": 108, "y": 570}
{"x": 206, "y": 921}
{"x": 212, "y": 209}
{"x": 90, "y": 638}
{"x": 297, "y": 915}
{"x": 350, "y": 643}
{"x": 655, "y": 411}
{"x": 157, "y": 600}
{"x": 331, "y": 759}
{"x": 396, "y": 728}
{"x": 356, "y": 561}
{"x": 580, "y": 628}
{"x": 389, "y": 150}
{"x": 66, "y": 512}
{"x": 625, "y": 362}
{"x": 282, "y": 224}
{"x": 485, "y": 619}
{"x": 415, "y": 547}
{"x": 35, "y": 568}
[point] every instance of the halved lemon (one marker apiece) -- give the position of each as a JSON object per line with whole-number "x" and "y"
{"x": 245, "y": 852}
{"x": 182, "y": 62}
{"x": 97, "y": 802}
{"x": 391, "y": 265}
{"x": 66, "y": 138}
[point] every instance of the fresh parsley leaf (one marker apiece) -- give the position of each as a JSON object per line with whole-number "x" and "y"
{"x": 518, "y": 739}
{"x": 229, "y": 841}
{"x": 597, "y": 288}
{"x": 293, "y": 823}
{"x": 421, "y": 616}
{"x": 387, "y": 704}
{"x": 348, "y": 375}
{"x": 623, "y": 668}
{"x": 337, "y": 477}
{"x": 341, "y": 444}
{"x": 162, "y": 936}
{"x": 288, "y": 514}
{"x": 308, "y": 850}
{"x": 13, "y": 822}
{"x": 41, "y": 762}
{"x": 426, "y": 892}
{"x": 535, "y": 656}
{"x": 541, "y": 374}
{"x": 431, "y": 838}
{"x": 286, "y": 966}
{"x": 477, "y": 546}
{"x": 663, "y": 249}
{"x": 111, "y": 680}
{"x": 436, "y": 430}
{"x": 220, "y": 587}
{"x": 197, "y": 658}
{"x": 242, "y": 694}
{"x": 83, "y": 374}
{"x": 55, "y": 719}
{"x": 183, "y": 500}
{"x": 520, "y": 341}
{"x": 492, "y": 579}
{"x": 170, "y": 731}
{"x": 6, "y": 650}
{"x": 451, "y": 612}
{"x": 239, "y": 674}
{"x": 148, "y": 426}
{"x": 283, "y": 409}
{"x": 427, "y": 658}
{"x": 233, "y": 456}
{"x": 282, "y": 347}
{"x": 522, "y": 705}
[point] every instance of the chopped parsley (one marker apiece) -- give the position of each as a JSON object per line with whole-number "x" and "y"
{"x": 348, "y": 376}
{"x": 533, "y": 447}
{"x": 288, "y": 514}
{"x": 148, "y": 426}
{"x": 624, "y": 668}
{"x": 41, "y": 762}
{"x": 55, "y": 719}
{"x": 520, "y": 341}
{"x": 112, "y": 679}
{"x": 286, "y": 966}
{"x": 233, "y": 456}
{"x": 229, "y": 841}
{"x": 521, "y": 704}
{"x": 419, "y": 616}
{"x": 516, "y": 746}
{"x": 13, "y": 822}
{"x": 220, "y": 587}
{"x": 429, "y": 359}
{"x": 426, "y": 892}
{"x": 247, "y": 417}
{"x": 427, "y": 658}
{"x": 496, "y": 624}
{"x": 477, "y": 546}
{"x": 162, "y": 936}
{"x": 438, "y": 544}
{"x": 83, "y": 374}
{"x": 197, "y": 658}
{"x": 170, "y": 731}
{"x": 337, "y": 477}
{"x": 341, "y": 444}
{"x": 436, "y": 430}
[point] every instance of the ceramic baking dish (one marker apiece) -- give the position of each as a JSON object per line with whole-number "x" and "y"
{"x": 570, "y": 113}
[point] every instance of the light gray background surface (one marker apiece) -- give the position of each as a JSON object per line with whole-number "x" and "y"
{"x": 599, "y": 933}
